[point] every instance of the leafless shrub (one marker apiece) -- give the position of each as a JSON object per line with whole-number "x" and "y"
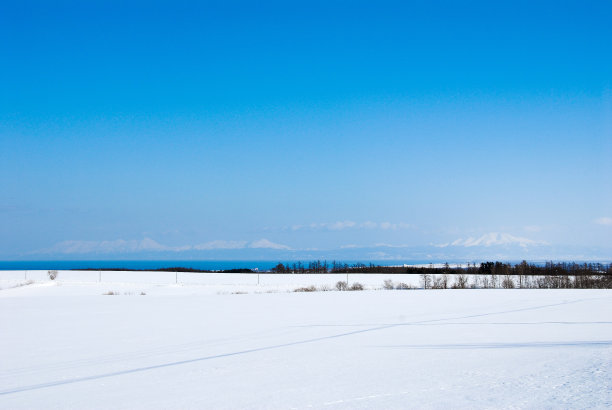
{"x": 111, "y": 293}
{"x": 142, "y": 294}
{"x": 437, "y": 282}
{"x": 52, "y": 274}
{"x": 356, "y": 286}
{"x": 239, "y": 292}
{"x": 403, "y": 286}
{"x": 311, "y": 288}
{"x": 461, "y": 282}
{"x": 341, "y": 285}
{"x": 325, "y": 288}
{"x": 507, "y": 282}
{"x": 388, "y": 284}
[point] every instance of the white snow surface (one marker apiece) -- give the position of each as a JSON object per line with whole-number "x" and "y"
{"x": 204, "y": 343}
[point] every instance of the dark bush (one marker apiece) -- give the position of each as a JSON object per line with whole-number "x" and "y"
{"x": 356, "y": 286}
{"x": 341, "y": 285}
{"x": 310, "y": 288}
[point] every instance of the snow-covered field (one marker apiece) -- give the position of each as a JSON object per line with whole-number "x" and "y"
{"x": 204, "y": 343}
{"x": 195, "y": 283}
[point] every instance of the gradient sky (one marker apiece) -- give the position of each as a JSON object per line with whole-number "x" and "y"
{"x": 327, "y": 125}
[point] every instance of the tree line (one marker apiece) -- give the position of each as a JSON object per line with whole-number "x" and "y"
{"x": 484, "y": 268}
{"x": 484, "y": 275}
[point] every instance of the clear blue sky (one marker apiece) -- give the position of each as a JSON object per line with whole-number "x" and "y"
{"x": 171, "y": 126}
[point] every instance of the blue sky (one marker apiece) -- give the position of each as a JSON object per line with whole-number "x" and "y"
{"x": 232, "y": 129}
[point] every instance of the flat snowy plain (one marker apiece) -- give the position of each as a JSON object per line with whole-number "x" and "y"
{"x": 204, "y": 343}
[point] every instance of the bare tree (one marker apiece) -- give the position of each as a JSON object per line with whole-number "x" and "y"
{"x": 426, "y": 280}
{"x": 461, "y": 281}
{"x": 445, "y": 281}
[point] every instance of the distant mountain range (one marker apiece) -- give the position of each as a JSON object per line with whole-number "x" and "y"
{"x": 491, "y": 246}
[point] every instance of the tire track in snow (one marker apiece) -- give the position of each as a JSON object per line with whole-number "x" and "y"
{"x": 143, "y": 353}
{"x": 458, "y": 323}
{"x": 453, "y": 346}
